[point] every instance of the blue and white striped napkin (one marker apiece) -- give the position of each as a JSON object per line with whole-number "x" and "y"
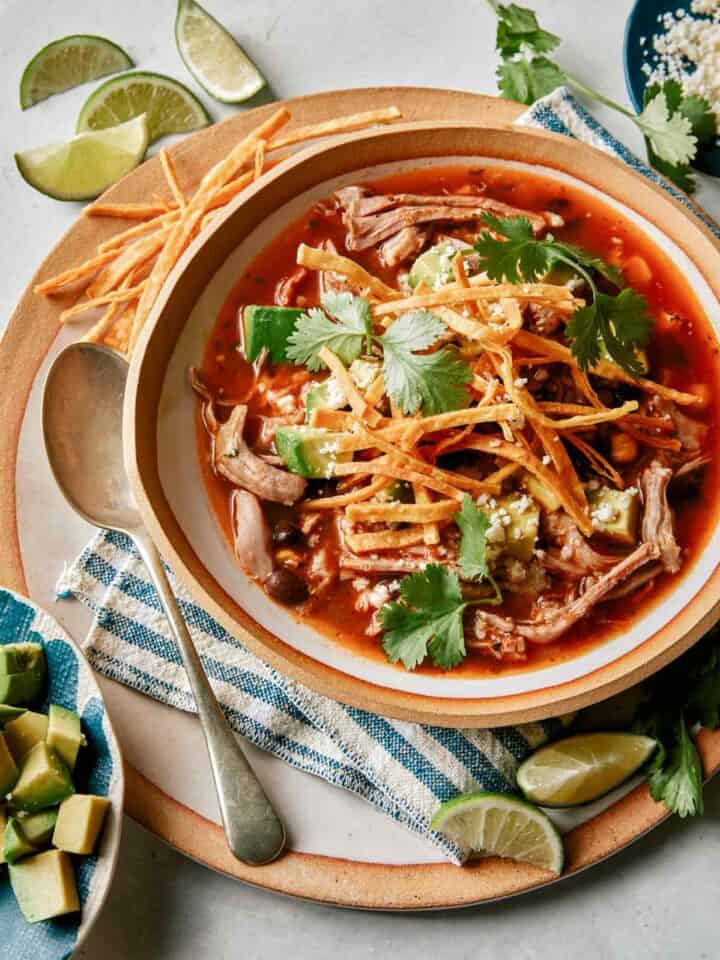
{"x": 403, "y": 769}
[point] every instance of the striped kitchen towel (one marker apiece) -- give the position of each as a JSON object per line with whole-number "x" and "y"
{"x": 403, "y": 769}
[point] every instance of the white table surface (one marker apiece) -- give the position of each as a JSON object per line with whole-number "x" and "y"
{"x": 657, "y": 900}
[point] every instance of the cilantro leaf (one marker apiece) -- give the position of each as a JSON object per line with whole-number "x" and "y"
{"x": 696, "y": 108}
{"x": 427, "y": 620}
{"x": 516, "y": 258}
{"x": 676, "y": 776}
{"x": 525, "y": 81}
{"x": 344, "y": 335}
{"x": 473, "y": 525}
{"x": 670, "y": 133}
{"x": 518, "y": 27}
{"x": 622, "y": 323}
{"x": 434, "y": 382}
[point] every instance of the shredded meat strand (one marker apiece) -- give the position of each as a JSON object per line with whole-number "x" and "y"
{"x": 657, "y": 525}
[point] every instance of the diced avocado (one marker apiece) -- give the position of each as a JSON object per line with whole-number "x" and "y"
{"x": 8, "y": 713}
{"x": 16, "y": 845}
{"x": 79, "y": 823}
{"x": 3, "y": 827}
{"x": 64, "y": 734}
{"x": 434, "y": 267}
{"x": 363, "y": 372}
{"x": 18, "y": 688}
{"x": 39, "y": 827}
{"x": 399, "y": 490}
{"x": 9, "y": 772}
{"x": 268, "y": 327}
{"x": 44, "y": 886}
{"x": 309, "y": 451}
{"x": 615, "y": 513}
{"x": 22, "y": 658}
{"x": 327, "y": 395}
{"x": 514, "y": 527}
{"x": 544, "y": 495}
{"x": 23, "y": 733}
{"x": 44, "y": 781}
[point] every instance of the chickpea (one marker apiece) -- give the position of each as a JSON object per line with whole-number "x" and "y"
{"x": 623, "y": 448}
{"x": 636, "y": 271}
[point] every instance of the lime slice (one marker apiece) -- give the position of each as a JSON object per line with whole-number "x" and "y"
{"x": 167, "y": 104}
{"x": 582, "y": 768}
{"x": 213, "y": 56}
{"x": 498, "y": 825}
{"x": 83, "y": 167}
{"x": 67, "y": 63}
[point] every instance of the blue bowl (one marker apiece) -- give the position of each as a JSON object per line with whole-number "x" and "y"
{"x": 643, "y": 22}
{"x": 71, "y": 684}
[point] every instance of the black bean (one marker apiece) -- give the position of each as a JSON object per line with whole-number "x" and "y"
{"x": 286, "y": 587}
{"x": 286, "y": 533}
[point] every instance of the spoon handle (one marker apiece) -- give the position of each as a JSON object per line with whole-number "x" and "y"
{"x": 254, "y": 832}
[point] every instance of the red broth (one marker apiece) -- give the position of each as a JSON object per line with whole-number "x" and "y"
{"x": 684, "y": 351}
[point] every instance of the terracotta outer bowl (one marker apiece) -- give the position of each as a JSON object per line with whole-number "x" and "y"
{"x": 692, "y": 615}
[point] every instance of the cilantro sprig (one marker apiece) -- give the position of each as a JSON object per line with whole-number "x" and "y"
{"x": 621, "y": 323}
{"x": 428, "y": 618}
{"x": 434, "y": 382}
{"x": 672, "y": 124}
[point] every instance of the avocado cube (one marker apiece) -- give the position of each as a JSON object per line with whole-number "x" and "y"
{"x": 9, "y": 772}
{"x": 8, "y": 713}
{"x": 615, "y": 514}
{"x": 22, "y": 658}
{"x": 514, "y": 524}
{"x": 44, "y": 781}
{"x": 79, "y": 823}
{"x": 268, "y": 328}
{"x": 3, "y": 826}
{"x": 309, "y": 451}
{"x": 16, "y": 845}
{"x": 327, "y": 395}
{"x": 64, "y": 734}
{"x": 39, "y": 827}
{"x": 544, "y": 495}
{"x": 434, "y": 268}
{"x": 23, "y": 733}
{"x": 18, "y": 688}
{"x": 44, "y": 886}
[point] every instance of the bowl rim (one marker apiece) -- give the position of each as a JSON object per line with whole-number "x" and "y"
{"x": 310, "y": 167}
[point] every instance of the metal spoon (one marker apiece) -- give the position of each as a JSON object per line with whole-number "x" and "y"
{"x": 82, "y": 424}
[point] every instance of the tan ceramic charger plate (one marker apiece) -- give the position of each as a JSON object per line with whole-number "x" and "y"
{"x": 343, "y": 882}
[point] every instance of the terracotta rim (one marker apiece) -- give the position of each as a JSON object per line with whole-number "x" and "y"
{"x": 291, "y": 178}
{"x": 309, "y": 876}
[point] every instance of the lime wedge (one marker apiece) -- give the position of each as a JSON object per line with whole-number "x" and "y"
{"x": 582, "y": 768}
{"x": 67, "y": 63}
{"x": 495, "y": 824}
{"x": 167, "y": 104}
{"x": 213, "y": 56}
{"x": 81, "y": 168}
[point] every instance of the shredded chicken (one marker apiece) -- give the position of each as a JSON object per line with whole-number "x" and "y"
{"x": 403, "y": 245}
{"x": 657, "y": 525}
{"x": 372, "y": 218}
{"x": 251, "y": 535}
{"x": 556, "y": 620}
{"x": 236, "y": 462}
{"x": 575, "y": 557}
{"x": 286, "y": 290}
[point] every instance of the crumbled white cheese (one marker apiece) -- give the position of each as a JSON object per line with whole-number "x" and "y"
{"x": 602, "y": 514}
{"x": 547, "y": 460}
{"x": 363, "y": 372}
{"x": 334, "y": 393}
{"x": 520, "y": 382}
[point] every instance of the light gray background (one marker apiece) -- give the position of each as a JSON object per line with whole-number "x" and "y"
{"x": 657, "y": 900}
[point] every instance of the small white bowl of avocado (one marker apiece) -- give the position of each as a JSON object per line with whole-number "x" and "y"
{"x": 61, "y": 787}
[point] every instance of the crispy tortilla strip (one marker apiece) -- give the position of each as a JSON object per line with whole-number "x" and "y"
{"x": 387, "y": 467}
{"x": 133, "y": 256}
{"x": 652, "y": 440}
{"x": 233, "y": 188}
{"x": 574, "y": 498}
{"x": 356, "y": 495}
{"x": 122, "y": 296}
{"x": 171, "y": 177}
{"x": 191, "y": 217}
{"x": 556, "y": 351}
{"x": 346, "y": 124}
{"x": 118, "y": 336}
{"x": 357, "y": 402}
{"x": 452, "y": 293}
{"x": 461, "y": 278}
{"x": 259, "y": 162}
{"x": 139, "y": 230}
{"x": 431, "y": 531}
{"x": 315, "y": 258}
{"x": 128, "y": 211}
{"x": 385, "y": 539}
{"x": 597, "y": 461}
{"x": 642, "y": 421}
{"x": 98, "y": 331}
{"x": 394, "y": 512}
{"x": 376, "y": 391}
{"x": 81, "y": 272}
{"x": 391, "y": 430}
